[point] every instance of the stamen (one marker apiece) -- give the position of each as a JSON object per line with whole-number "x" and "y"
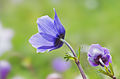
{"x": 101, "y": 62}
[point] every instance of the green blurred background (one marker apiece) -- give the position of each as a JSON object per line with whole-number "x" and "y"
{"x": 86, "y": 22}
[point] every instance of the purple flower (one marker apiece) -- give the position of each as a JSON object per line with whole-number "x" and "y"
{"x": 50, "y": 33}
{"x": 5, "y": 68}
{"x": 98, "y": 55}
{"x": 60, "y": 65}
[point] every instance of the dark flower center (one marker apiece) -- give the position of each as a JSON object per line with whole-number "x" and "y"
{"x": 58, "y": 41}
{"x": 61, "y": 36}
{"x": 104, "y": 60}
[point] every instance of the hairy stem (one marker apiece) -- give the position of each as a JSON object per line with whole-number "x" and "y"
{"x": 76, "y": 61}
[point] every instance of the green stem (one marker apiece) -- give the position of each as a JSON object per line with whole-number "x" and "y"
{"x": 76, "y": 61}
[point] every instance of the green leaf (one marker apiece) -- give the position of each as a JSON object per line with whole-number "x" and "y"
{"x": 102, "y": 71}
{"x": 111, "y": 68}
{"x": 67, "y": 57}
{"x": 108, "y": 71}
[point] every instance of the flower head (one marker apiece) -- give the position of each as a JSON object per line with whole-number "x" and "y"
{"x": 98, "y": 55}
{"x": 5, "y": 68}
{"x": 49, "y": 35}
{"x": 60, "y": 65}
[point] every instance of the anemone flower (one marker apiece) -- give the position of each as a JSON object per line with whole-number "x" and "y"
{"x": 49, "y": 35}
{"x": 5, "y": 68}
{"x": 98, "y": 55}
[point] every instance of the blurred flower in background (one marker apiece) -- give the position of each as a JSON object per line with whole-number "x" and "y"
{"x": 60, "y": 65}
{"x": 54, "y": 76}
{"x": 17, "y": 77}
{"x": 5, "y": 39}
{"x": 5, "y": 68}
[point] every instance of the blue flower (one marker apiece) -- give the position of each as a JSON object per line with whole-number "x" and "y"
{"x": 98, "y": 55}
{"x": 49, "y": 35}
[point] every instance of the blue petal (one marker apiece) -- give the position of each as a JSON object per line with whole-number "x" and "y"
{"x": 38, "y": 41}
{"x": 58, "y": 24}
{"x": 56, "y": 47}
{"x": 48, "y": 37}
{"x": 106, "y": 51}
{"x": 95, "y": 49}
{"x": 44, "y": 48}
{"x": 46, "y": 25}
{"x": 108, "y": 59}
{"x": 91, "y": 61}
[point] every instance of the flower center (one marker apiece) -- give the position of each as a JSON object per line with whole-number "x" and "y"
{"x": 61, "y": 36}
{"x": 103, "y": 59}
{"x": 97, "y": 59}
{"x": 58, "y": 42}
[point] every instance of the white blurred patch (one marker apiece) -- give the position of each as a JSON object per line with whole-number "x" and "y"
{"x": 5, "y": 39}
{"x": 96, "y": 50}
{"x": 5, "y": 64}
{"x": 54, "y": 76}
{"x": 55, "y": 2}
{"x": 80, "y": 77}
{"x": 17, "y": 77}
{"x": 84, "y": 48}
{"x": 91, "y": 4}
{"x": 16, "y": 1}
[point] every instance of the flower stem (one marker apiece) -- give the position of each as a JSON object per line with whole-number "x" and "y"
{"x": 76, "y": 61}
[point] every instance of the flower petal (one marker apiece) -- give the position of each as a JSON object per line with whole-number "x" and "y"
{"x": 48, "y": 37}
{"x": 46, "y": 25}
{"x": 95, "y": 49}
{"x": 56, "y": 47}
{"x": 38, "y": 41}
{"x": 106, "y": 51}
{"x": 108, "y": 57}
{"x": 58, "y": 24}
{"x": 41, "y": 50}
{"x": 92, "y": 63}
